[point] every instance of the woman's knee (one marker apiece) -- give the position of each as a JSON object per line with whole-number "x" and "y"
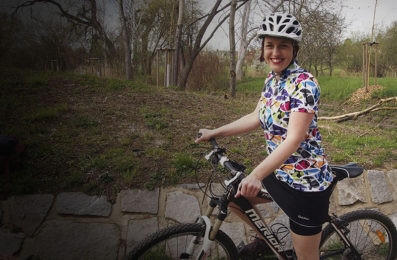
{"x": 306, "y": 247}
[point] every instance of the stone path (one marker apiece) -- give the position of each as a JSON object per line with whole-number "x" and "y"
{"x": 74, "y": 225}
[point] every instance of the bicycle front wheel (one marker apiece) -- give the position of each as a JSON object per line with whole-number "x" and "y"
{"x": 183, "y": 241}
{"x": 372, "y": 234}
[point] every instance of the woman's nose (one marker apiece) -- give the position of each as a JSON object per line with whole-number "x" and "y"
{"x": 276, "y": 51}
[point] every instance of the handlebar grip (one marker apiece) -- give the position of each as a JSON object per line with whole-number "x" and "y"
{"x": 214, "y": 143}
{"x": 228, "y": 165}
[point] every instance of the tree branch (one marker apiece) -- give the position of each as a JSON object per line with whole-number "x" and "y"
{"x": 354, "y": 115}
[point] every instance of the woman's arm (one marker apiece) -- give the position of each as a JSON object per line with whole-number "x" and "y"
{"x": 296, "y": 133}
{"x": 240, "y": 126}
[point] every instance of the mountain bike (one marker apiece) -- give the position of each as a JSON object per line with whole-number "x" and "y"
{"x": 361, "y": 234}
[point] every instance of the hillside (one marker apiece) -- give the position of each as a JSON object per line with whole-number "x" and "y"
{"x": 99, "y": 136}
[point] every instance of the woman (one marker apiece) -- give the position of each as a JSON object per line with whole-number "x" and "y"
{"x": 295, "y": 172}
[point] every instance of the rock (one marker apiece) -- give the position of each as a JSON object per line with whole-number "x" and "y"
{"x": 350, "y": 191}
{"x": 182, "y": 207}
{"x": 268, "y": 210}
{"x": 68, "y": 240}
{"x": 235, "y": 230}
{"x": 10, "y": 243}
{"x": 139, "y": 201}
{"x": 78, "y": 203}
{"x": 280, "y": 226}
{"x": 380, "y": 190}
{"x": 29, "y": 211}
{"x": 139, "y": 229}
{"x": 191, "y": 186}
{"x": 392, "y": 175}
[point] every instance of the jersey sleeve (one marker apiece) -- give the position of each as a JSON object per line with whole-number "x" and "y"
{"x": 306, "y": 95}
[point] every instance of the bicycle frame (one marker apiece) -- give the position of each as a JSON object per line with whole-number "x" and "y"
{"x": 255, "y": 217}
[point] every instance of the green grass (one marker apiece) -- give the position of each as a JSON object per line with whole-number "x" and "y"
{"x": 337, "y": 89}
{"x": 390, "y": 85}
{"x": 100, "y": 135}
{"x": 332, "y": 88}
{"x": 368, "y": 146}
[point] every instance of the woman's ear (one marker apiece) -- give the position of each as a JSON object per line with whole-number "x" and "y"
{"x": 295, "y": 50}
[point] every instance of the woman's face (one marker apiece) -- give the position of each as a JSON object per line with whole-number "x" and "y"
{"x": 278, "y": 53}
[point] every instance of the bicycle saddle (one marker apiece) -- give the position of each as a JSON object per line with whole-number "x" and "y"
{"x": 350, "y": 170}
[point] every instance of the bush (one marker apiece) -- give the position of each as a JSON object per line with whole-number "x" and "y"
{"x": 208, "y": 72}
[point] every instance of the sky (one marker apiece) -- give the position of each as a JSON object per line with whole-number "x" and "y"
{"x": 359, "y": 17}
{"x": 358, "y": 13}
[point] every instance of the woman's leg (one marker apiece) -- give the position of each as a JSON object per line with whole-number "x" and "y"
{"x": 306, "y": 247}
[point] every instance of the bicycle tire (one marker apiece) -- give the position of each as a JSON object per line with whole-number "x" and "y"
{"x": 372, "y": 233}
{"x": 149, "y": 248}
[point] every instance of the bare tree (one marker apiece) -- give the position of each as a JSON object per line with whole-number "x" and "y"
{"x": 84, "y": 16}
{"x": 243, "y": 41}
{"x": 126, "y": 41}
{"x": 197, "y": 45}
{"x": 232, "y": 43}
{"x": 178, "y": 41}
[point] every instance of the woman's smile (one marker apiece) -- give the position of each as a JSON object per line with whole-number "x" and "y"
{"x": 278, "y": 53}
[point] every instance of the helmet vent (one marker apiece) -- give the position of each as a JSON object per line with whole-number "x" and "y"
{"x": 281, "y": 25}
{"x": 290, "y": 29}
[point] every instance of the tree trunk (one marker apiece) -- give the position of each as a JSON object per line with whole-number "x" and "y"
{"x": 126, "y": 43}
{"x": 232, "y": 49}
{"x": 197, "y": 46}
{"x": 243, "y": 41}
{"x": 178, "y": 42}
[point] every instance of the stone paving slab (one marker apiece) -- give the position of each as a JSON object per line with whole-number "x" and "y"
{"x": 60, "y": 239}
{"x": 182, "y": 207}
{"x": 10, "y": 243}
{"x": 140, "y": 201}
{"x": 28, "y": 212}
{"x": 138, "y": 229}
{"x": 235, "y": 230}
{"x": 78, "y": 203}
{"x": 380, "y": 190}
{"x": 392, "y": 175}
{"x": 350, "y": 191}
{"x": 60, "y": 235}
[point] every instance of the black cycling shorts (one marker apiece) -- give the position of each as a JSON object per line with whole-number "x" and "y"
{"x": 307, "y": 211}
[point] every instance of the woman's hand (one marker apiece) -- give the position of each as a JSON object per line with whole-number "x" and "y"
{"x": 205, "y": 135}
{"x": 249, "y": 186}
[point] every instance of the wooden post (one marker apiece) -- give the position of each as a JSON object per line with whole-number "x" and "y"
{"x": 376, "y": 63}
{"x": 364, "y": 67}
{"x": 368, "y": 57}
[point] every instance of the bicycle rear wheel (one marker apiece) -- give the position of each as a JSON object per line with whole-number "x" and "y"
{"x": 372, "y": 234}
{"x": 173, "y": 242}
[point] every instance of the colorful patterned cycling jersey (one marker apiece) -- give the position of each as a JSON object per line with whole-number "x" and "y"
{"x": 296, "y": 91}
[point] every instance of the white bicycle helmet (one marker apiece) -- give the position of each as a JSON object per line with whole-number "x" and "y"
{"x": 281, "y": 25}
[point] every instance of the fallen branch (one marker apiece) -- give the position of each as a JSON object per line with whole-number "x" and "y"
{"x": 354, "y": 115}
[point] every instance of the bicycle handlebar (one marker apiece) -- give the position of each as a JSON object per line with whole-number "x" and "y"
{"x": 237, "y": 174}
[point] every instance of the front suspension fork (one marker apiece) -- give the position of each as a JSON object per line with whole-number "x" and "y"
{"x": 210, "y": 231}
